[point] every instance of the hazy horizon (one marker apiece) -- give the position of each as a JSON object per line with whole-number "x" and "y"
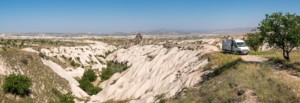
{"x": 73, "y": 16}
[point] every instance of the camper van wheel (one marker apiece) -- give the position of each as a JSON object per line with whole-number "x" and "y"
{"x": 237, "y": 53}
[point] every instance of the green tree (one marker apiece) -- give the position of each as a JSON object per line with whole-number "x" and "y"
{"x": 254, "y": 40}
{"x": 90, "y": 75}
{"x": 17, "y": 84}
{"x": 282, "y": 31}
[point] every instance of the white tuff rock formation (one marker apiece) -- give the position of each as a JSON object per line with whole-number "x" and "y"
{"x": 78, "y": 92}
{"x": 154, "y": 70}
{"x": 85, "y": 55}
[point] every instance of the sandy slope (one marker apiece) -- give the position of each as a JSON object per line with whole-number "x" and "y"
{"x": 78, "y": 92}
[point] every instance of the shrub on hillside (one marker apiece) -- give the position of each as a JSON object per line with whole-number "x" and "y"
{"x": 17, "y": 84}
{"x": 90, "y": 75}
{"x": 112, "y": 68}
{"x": 42, "y": 55}
{"x": 86, "y": 85}
{"x": 24, "y": 61}
{"x": 74, "y": 64}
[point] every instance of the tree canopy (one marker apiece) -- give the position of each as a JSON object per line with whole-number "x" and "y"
{"x": 282, "y": 31}
{"x": 254, "y": 40}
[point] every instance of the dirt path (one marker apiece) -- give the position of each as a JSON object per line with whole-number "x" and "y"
{"x": 253, "y": 58}
{"x": 290, "y": 80}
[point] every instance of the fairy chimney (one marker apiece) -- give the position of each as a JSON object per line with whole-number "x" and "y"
{"x": 138, "y": 39}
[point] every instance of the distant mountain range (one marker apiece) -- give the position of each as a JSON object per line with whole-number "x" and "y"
{"x": 188, "y": 32}
{"x": 161, "y": 31}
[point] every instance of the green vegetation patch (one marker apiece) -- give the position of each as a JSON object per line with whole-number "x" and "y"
{"x": 112, "y": 68}
{"x": 17, "y": 84}
{"x": 85, "y": 82}
{"x": 46, "y": 43}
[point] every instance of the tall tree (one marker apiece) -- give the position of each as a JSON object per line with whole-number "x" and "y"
{"x": 282, "y": 31}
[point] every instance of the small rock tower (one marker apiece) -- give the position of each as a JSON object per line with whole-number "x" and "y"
{"x": 138, "y": 39}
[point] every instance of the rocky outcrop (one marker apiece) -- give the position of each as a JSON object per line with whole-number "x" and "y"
{"x": 89, "y": 55}
{"x": 138, "y": 39}
{"x": 154, "y": 70}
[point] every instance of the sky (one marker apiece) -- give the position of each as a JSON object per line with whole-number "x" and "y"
{"x": 108, "y": 16}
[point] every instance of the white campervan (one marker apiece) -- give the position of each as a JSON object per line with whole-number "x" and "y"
{"x": 235, "y": 46}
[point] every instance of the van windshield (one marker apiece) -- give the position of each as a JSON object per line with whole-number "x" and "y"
{"x": 240, "y": 44}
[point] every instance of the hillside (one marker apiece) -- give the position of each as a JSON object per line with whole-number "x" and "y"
{"x": 44, "y": 79}
{"x": 173, "y": 70}
{"x": 237, "y": 81}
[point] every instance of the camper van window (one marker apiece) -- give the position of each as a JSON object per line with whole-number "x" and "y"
{"x": 240, "y": 44}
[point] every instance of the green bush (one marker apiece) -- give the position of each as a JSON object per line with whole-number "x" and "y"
{"x": 112, "y": 68}
{"x": 17, "y": 84}
{"x": 42, "y": 55}
{"x": 24, "y": 61}
{"x": 74, "y": 64}
{"x": 90, "y": 75}
{"x": 86, "y": 85}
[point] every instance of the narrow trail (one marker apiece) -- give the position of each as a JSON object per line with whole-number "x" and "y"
{"x": 253, "y": 59}
{"x": 284, "y": 75}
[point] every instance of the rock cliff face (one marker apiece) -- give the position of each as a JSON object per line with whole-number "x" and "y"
{"x": 154, "y": 70}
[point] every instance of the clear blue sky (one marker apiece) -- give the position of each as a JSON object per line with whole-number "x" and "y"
{"x": 105, "y": 16}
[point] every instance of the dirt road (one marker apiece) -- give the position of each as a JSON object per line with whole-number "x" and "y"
{"x": 252, "y": 58}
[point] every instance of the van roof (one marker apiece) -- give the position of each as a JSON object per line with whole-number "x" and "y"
{"x": 238, "y": 40}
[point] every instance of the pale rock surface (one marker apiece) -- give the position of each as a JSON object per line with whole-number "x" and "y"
{"x": 86, "y": 54}
{"x": 153, "y": 70}
{"x": 3, "y": 69}
{"x": 78, "y": 92}
{"x": 77, "y": 72}
{"x": 30, "y": 50}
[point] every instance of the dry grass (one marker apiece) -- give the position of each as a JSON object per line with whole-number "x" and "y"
{"x": 277, "y": 57}
{"x": 59, "y": 62}
{"x": 36, "y": 43}
{"x": 217, "y": 60}
{"x": 236, "y": 77}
